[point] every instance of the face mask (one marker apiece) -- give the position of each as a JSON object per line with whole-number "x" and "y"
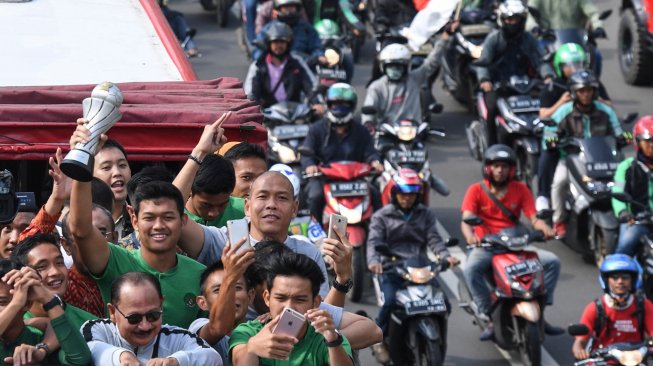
{"x": 289, "y": 18}
{"x": 512, "y": 30}
{"x": 394, "y": 72}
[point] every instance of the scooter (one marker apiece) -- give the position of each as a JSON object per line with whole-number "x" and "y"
{"x": 403, "y": 145}
{"x": 287, "y": 124}
{"x": 622, "y": 353}
{"x": 519, "y": 295}
{"x": 518, "y": 124}
{"x": 418, "y": 321}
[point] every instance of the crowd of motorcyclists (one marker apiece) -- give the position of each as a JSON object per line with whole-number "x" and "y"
{"x": 507, "y": 283}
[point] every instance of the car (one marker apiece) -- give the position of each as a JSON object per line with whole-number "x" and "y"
{"x": 635, "y": 41}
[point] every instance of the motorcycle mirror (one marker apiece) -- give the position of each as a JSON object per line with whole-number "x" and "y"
{"x": 437, "y": 132}
{"x": 544, "y": 214}
{"x": 451, "y": 242}
{"x": 535, "y": 13}
{"x": 548, "y": 122}
{"x": 368, "y": 109}
{"x": 578, "y": 329}
{"x": 384, "y": 250}
{"x": 436, "y": 108}
{"x": 630, "y": 118}
{"x": 473, "y": 220}
{"x": 306, "y": 151}
{"x": 605, "y": 14}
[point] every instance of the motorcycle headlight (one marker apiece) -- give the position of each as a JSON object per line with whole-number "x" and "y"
{"x": 420, "y": 275}
{"x": 406, "y": 133}
{"x": 629, "y": 358}
{"x": 332, "y": 56}
{"x": 353, "y": 216}
{"x": 286, "y": 154}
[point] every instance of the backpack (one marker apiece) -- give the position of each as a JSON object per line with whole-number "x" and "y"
{"x": 601, "y": 319}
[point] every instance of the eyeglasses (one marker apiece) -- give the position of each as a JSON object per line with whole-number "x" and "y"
{"x": 136, "y": 318}
{"x": 622, "y": 276}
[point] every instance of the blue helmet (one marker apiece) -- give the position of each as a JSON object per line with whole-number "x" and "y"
{"x": 615, "y": 263}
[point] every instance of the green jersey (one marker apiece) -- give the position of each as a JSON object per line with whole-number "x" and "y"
{"x": 75, "y": 315}
{"x": 29, "y": 335}
{"x": 235, "y": 210}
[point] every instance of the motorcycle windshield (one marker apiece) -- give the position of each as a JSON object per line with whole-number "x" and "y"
{"x": 287, "y": 112}
{"x": 599, "y": 158}
{"x": 570, "y": 35}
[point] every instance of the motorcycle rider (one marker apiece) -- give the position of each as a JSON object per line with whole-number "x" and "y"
{"x": 280, "y": 76}
{"x": 396, "y": 95}
{"x": 392, "y": 14}
{"x": 622, "y": 315}
{"x": 633, "y": 177}
{"x": 335, "y": 138}
{"x": 407, "y": 227}
{"x": 305, "y": 38}
{"x": 584, "y": 116}
{"x": 509, "y": 51}
{"x": 499, "y": 164}
{"x": 569, "y": 57}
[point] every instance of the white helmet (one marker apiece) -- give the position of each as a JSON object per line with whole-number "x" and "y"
{"x": 288, "y": 172}
{"x": 510, "y": 8}
{"x": 394, "y": 53}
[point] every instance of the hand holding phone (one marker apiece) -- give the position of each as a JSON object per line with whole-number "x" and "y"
{"x": 337, "y": 223}
{"x": 290, "y": 323}
{"x": 237, "y": 230}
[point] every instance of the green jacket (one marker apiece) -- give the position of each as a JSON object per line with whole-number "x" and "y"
{"x": 563, "y": 14}
{"x": 632, "y": 177}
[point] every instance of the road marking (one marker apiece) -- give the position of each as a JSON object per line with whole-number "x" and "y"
{"x": 449, "y": 279}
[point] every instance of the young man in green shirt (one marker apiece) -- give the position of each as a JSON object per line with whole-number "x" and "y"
{"x": 210, "y": 201}
{"x": 23, "y": 342}
{"x": 158, "y": 217}
{"x": 249, "y": 163}
{"x": 293, "y": 281}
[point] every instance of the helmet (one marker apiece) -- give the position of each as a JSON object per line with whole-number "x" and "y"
{"x": 499, "y": 153}
{"x": 279, "y": 3}
{"x": 327, "y": 29}
{"x": 571, "y": 54}
{"x": 512, "y": 9}
{"x": 278, "y": 31}
{"x": 643, "y": 130}
{"x": 290, "y": 174}
{"x": 341, "y": 113}
{"x": 394, "y": 59}
{"x": 581, "y": 79}
{"x": 406, "y": 181}
{"x": 615, "y": 263}
{"x": 288, "y": 18}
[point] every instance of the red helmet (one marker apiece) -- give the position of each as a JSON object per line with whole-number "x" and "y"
{"x": 406, "y": 181}
{"x": 643, "y": 130}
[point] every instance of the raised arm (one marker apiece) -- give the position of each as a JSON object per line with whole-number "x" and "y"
{"x": 192, "y": 351}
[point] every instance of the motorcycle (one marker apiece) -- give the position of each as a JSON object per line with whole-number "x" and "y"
{"x": 287, "y": 124}
{"x": 518, "y": 125}
{"x": 348, "y": 193}
{"x": 622, "y": 353}
{"x": 402, "y": 145}
{"x": 465, "y": 46}
{"x": 335, "y": 50}
{"x": 519, "y": 295}
{"x": 418, "y": 321}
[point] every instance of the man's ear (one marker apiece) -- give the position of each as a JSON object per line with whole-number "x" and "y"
{"x": 266, "y": 297}
{"x": 295, "y": 208}
{"x": 317, "y": 300}
{"x": 251, "y": 294}
{"x": 130, "y": 211}
{"x": 184, "y": 219}
{"x": 201, "y": 302}
{"x": 247, "y": 204}
{"x": 112, "y": 312}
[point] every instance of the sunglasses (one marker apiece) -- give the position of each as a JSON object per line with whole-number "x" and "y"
{"x": 136, "y": 318}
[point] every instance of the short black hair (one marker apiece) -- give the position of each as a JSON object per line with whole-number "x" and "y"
{"x": 256, "y": 273}
{"x": 146, "y": 175}
{"x": 156, "y": 190}
{"x": 23, "y": 248}
{"x": 65, "y": 229}
{"x": 245, "y": 150}
{"x": 102, "y": 194}
{"x": 215, "y": 176}
{"x": 7, "y": 265}
{"x": 291, "y": 264}
{"x": 217, "y": 266}
{"x": 111, "y": 143}
{"x": 133, "y": 278}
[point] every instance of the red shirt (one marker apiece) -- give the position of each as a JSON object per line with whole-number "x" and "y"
{"x": 84, "y": 293}
{"x": 518, "y": 198}
{"x": 622, "y": 325}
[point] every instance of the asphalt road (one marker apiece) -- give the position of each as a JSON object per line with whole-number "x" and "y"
{"x": 450, "y": 159}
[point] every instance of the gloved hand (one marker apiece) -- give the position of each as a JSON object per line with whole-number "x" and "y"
{"x": 624, "y": 139}
{"x": 600, "y": 33}
{"x": 551, "y": 142}
{"x": 625, "y": 216}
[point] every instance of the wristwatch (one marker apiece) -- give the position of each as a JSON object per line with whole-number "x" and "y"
{"x": 44, "y": 347}
{"x": 56, "y": 301}
{"x": 335, "y": 343}
{"x": 343, "y": 287}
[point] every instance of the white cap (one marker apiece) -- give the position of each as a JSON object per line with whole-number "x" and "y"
{"x": 290, "y": 174}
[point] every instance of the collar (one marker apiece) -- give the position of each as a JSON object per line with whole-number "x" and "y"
{"x": 268, "y": 60}
{"x": 613, "y": 304}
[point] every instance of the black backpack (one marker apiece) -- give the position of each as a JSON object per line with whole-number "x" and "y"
{"x": 601, "y": 319}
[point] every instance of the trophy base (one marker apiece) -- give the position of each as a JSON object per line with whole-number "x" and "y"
{"x": 78, "y": 165}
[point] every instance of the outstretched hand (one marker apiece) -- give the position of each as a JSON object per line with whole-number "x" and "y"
{"x": 212, "y": 137}
{"x": 62, "y": 184}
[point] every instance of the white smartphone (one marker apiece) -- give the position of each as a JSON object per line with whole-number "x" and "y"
{"x": 236, "y": 230}
{"x": 338, "y": 222}
{"x": 291, "y": 323}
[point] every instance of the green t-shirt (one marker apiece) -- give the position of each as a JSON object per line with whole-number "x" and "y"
{"x": 75, "y": 315}
{"x": 311, "y": 350}
{"x": 180, "y": 285}
{"x": 235, "y": 210}
{"x": 29, "y": 335}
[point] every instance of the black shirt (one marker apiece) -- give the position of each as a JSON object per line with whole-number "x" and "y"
{"x": 553, "y": 91}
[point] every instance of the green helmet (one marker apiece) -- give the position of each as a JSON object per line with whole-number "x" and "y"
{"x": 327, "y": 29}
{"x": 571, "y": 54}
{"x": 341, "y": 103}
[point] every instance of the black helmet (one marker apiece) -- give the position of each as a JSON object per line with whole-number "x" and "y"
{"x": 288, "y": 18}
{"x": 513, "y": 9}
{"x": 278, "y": 31}
{"x": 499, "y": 153}
{"x": 582, "y": 79}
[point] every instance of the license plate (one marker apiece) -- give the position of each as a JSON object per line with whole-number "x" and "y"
{"x": 433, "y": 305}
{"x": 523, "y": 103}
{"x": 412, "y": 156}
{"x": 523, "y": 268}
{"x": 349, "y": 189}
{"x": 597, "y": 168}
{"x": 332, "y": 74}
{"x": 288, "y": 132}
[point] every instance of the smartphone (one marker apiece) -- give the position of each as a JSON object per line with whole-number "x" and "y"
{"x": 236, "y": 230}
{"x": 338, "y": 222}
{"x": 291, "y": 323}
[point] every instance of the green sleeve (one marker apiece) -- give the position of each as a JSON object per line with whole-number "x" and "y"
{"x": 345, "y": 7}
{"x": 614, "y": 120}
{"x": 243, "y": 333}
{"x": 619, "y": 184}
{"x": 73, "y": 349}
{"x": 120, "y": 261}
